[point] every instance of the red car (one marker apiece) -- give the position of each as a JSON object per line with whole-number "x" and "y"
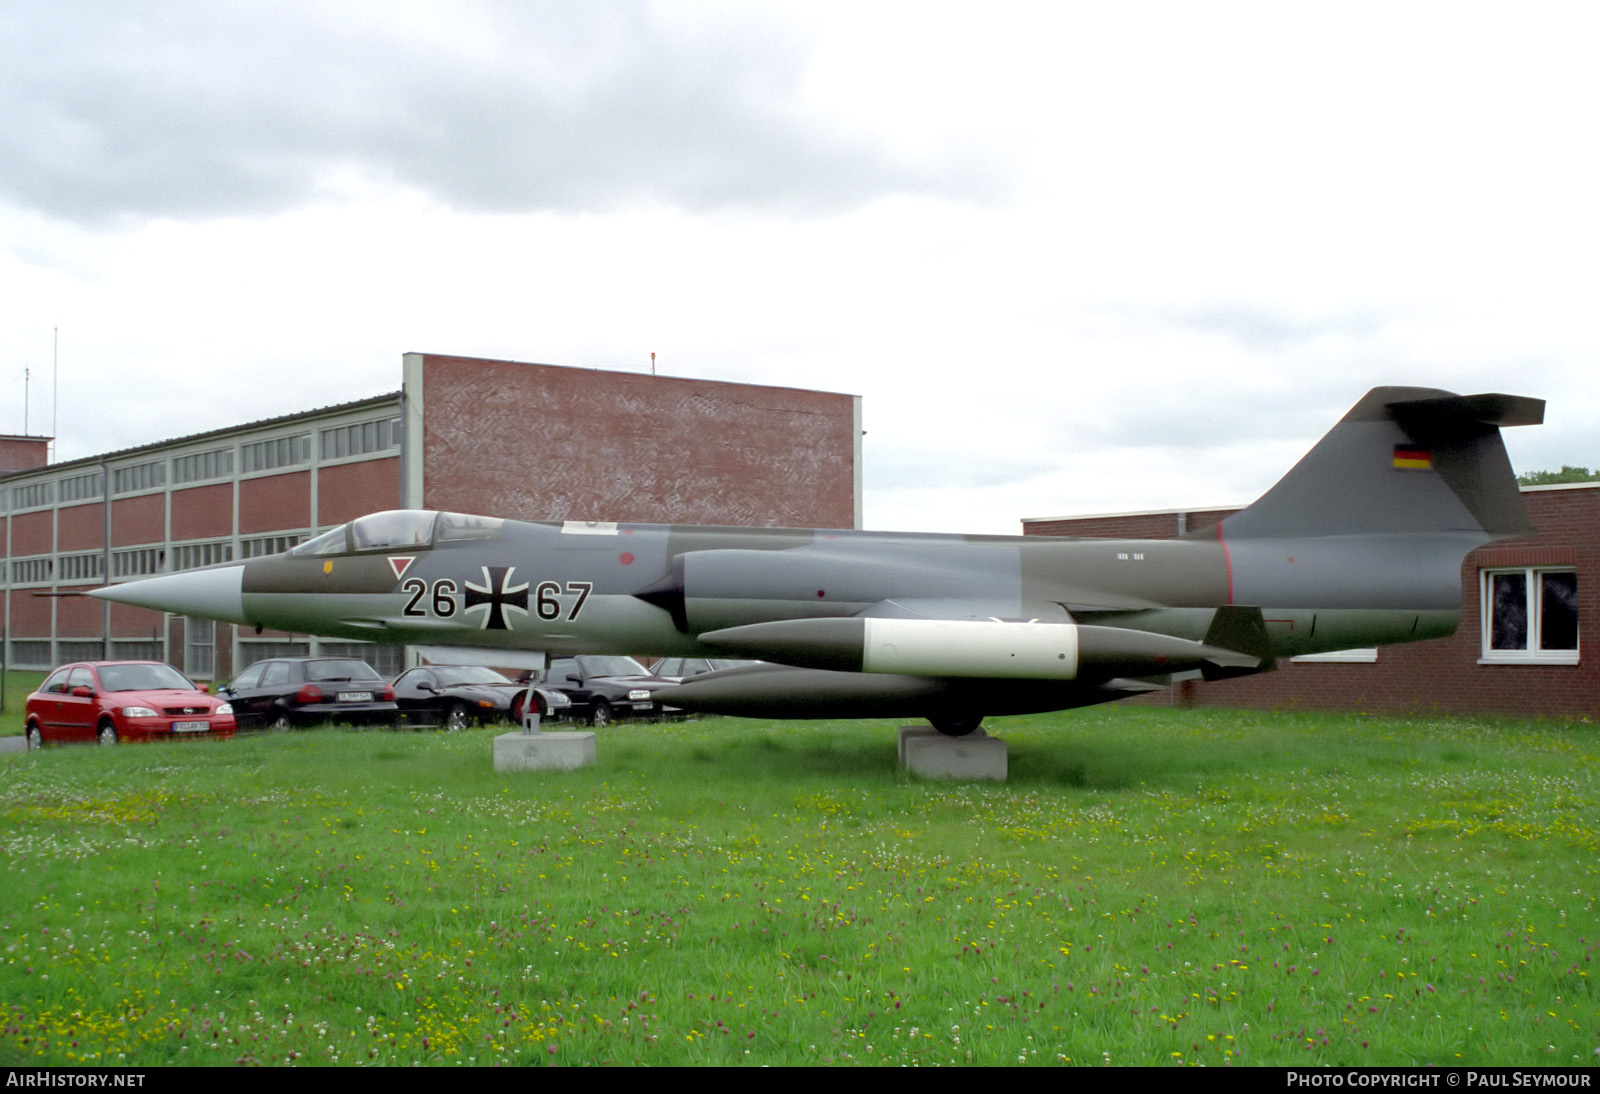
{"x": 113, "y": 701}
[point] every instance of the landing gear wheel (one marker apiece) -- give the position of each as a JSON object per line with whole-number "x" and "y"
{"x": 35, "y": 737}
{"x": 600, "y": 717}
{"x": 455, "y": 719}
{"x": 108, "y": 733}
{"x": 956, "y": 727}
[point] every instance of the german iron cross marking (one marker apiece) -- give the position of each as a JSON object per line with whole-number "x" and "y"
{"x": 495, "y": 595}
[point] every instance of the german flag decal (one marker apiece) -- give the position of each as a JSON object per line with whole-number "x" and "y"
{"x": 1410, "y": 457}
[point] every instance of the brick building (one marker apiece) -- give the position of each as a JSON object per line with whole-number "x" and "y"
{"x": 1516, "y": 650}
{"x": 535, "y": 442}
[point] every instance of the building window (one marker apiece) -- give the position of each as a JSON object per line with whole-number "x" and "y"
{"x": 33, "y": 495}
{"x": 138, "y": 649}
{"x": 199, "y": 641}
{"x": 267, "y": 455}
{"x": 138, "y": 562}
{"x": 267, "y": 545}
{"x": 387, "y": 661}
{"x": 82, "y": 487}
{"x": 1530, "y": 616}
{"x": 141, "y": 476}
{"x": 360, "y": 439}
{"x": 32, "y": 571}
{"x": 31, "y": 653}
{"x": 84, "y": 567}
{"x": 191, "y": 555}
{"x": 80, "y": 649}
{"x": 216, "y": 464}
{"x": 251, "y": 652}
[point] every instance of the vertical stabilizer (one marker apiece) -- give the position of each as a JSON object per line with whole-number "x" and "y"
{"x": 1403, "y": 460}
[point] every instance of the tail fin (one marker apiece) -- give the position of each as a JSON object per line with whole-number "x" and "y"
{"x": 1404, "y": 459}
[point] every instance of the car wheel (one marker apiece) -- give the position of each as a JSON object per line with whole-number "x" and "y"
{"x": 108, "y": 733}
{"x": 35, "y": 737}
{"x": 600, "y": 716}
{"x": 455, "y": 719}
{"x": 281, "y": 723}
{"x": 956, "y": 727}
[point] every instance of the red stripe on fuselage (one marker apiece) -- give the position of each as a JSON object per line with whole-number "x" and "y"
{"x": 1227, "y": 558}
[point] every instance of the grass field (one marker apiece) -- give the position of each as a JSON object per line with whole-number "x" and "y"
{"x": 1150, "y": 886}
{"x": 17, "y": 686}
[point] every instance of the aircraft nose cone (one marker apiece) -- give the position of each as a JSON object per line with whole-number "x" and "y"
{"x": 209, "y": 594}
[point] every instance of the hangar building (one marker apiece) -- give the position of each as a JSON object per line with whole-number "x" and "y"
{"x": 1516, "y": 650}
{"x": 526, "y": 441}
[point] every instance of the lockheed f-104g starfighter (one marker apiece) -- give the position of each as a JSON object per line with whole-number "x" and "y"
{"x": 1360, "y": 544}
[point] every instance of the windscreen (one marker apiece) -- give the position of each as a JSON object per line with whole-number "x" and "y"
{"x": 143, "y": 678}
{"x": 344, "y": 668}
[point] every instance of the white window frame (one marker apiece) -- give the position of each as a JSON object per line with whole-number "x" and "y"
{"x": 1533, "y": 654}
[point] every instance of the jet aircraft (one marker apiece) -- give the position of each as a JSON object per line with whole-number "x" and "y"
{"x": 1360, "y": 544}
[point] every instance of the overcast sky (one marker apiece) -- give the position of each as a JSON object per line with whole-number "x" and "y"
{"x": 1076, "y": 257}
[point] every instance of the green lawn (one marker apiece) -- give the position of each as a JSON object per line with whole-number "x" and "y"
{"x": 18, "y": 686}
{"x": 1150, "y": 886}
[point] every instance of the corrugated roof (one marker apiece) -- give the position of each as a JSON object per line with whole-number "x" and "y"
{"x": 263, "y": 423}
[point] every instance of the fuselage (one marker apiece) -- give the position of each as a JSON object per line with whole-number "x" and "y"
{"x": 579, "y": 587}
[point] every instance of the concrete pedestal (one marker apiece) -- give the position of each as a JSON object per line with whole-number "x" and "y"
{"x": 564, "y": 750}
{"x": 926, "y": 752}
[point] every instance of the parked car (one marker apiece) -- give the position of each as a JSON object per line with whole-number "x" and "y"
{"x": 113, "y": 701}
{"x": 603, "y": 689}
{"x": 456, "y": 696}
{"x": 678, "y": 669}
{"x": 285, "y": 692}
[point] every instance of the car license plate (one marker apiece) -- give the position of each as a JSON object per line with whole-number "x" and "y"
{"x": 355, "y": 697}
{"x": 643, "y": 706}
{"x": 190, "y": 727}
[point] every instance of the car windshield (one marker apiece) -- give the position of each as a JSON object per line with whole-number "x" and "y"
{"x": 460, "y": 675}
{"x": 143, "y": 678}
{"x": 611, "y": 666}
{"x": 342, "y": 669}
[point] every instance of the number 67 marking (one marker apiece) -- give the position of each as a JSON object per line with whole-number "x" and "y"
{"x": 547, "y": 606}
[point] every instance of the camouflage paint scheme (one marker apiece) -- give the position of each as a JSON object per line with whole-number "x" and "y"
{"x": 1360, "y": 544}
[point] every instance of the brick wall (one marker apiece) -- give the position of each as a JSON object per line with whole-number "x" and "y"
{"x": 203, "y": 512}
{"x": 77, "y": 616}
{"x": 30, "y": 615}
{"x": 538, "y": 442}
{"x": 275, "y": 502}
{"x": 349, "y": 490}
{"x": 32, "y": 534}
{"x": 130, "y": 622}
{"x": 22, "y": 453}
{"x": 141, "y": 519}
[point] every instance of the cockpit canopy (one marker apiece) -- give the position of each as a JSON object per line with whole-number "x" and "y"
{"x": 400, "y": 529}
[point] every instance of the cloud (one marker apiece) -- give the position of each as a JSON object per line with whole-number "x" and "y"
{"x": 203, "y": 110}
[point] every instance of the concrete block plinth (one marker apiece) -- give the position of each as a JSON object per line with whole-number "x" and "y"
{"x": 926, "y": 752}
{"x": 565, "y": 750}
